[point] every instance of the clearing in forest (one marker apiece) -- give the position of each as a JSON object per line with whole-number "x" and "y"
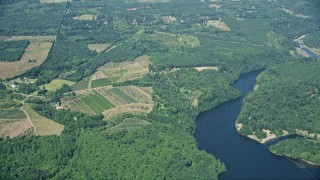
{"x": 207, "y": 68}
{"x": 121, "y": 72}
{"x": 99, "y": 47}
{"x": 53, "y": 1}
{"x": 218, "y": 24}
{"x": 216, "y": 6}
{"x": 57, "y": 84}
{"x": 42, "y": 125}
{"x": 86, "y": 17}
{"x": 130, "y": 124}
{"x": 35, "y": 54}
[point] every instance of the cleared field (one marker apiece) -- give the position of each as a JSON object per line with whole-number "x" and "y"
{"x": 86, "y": 17}
{"x": 42, "y": 125}
{"x": 130, "y": 124}
{"x": 53, "y": 1}
{"x": 218, "y": 24}
{"x": 169, "y": 39}
{"x": 14, "y": 113}
{"x": 14, "y": 128}
{"x": 206, "y": 68}
{"x": 99, "y": 47}
{"x": 124, "y": 71}
{"x": 101, "y": 83}
{"x": 138, "y": 107}
{"x": 56, "y": 84}
{"x": 34, "y": 55}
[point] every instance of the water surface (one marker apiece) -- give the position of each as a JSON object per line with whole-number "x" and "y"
{"x": 244, "y": 158}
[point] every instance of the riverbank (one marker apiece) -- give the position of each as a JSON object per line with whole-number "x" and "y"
{"x": 272, "y": 137}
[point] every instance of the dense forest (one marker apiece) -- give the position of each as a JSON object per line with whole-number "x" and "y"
{"x": 232, "y": 37}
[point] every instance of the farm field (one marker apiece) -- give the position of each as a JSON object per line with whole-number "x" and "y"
{"x": 13, "y": 114}
{"x": 111, "y": 101}
{"x": 130, "y": 124}
{"x": 81, "y": 85}
{"x": 42, "y": 125}
{"x": 124, "y": 71}
{"x": 34, "y": 55}
{"x": 91, "y": 103}
{"x": 56, "y": 84}
{"x": 99, "y": 47}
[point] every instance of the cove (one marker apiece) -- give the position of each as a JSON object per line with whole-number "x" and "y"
{"x": 244, "y": 158}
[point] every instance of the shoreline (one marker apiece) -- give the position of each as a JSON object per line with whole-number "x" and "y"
{"x": 265, "y": 140}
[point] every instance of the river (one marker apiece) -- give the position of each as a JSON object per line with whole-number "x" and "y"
{"x": 244, "y": 158}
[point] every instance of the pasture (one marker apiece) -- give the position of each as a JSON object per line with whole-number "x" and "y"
{"x": 57, "y": 84}
{"x": 34, "y": 55}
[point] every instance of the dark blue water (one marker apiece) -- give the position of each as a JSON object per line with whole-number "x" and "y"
{"x": 243, "y": 157}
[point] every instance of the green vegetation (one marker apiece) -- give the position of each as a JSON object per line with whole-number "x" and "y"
{"x": 287, "y": 99}
{"x": 101, "y": 82}
{"x": 299, "y": 148}
{"x": 12, "y": 50}
{"x": 130, "y": 124}
{"x": 176, "y": 37}
{"x": 14, "y": 113}
{"x": 56, "y": 84}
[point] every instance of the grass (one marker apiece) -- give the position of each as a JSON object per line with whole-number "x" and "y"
{"x": 130, "y": 124}
{"x": 13, "y": 114}
{"x": 53, "y": 1}
{"x": 99, "y": 47}
{"x": 18, "y": 97}
{"x": 86, "y": 17}
{"x": 42, "y": 125}
{"x": 34, "y": 55}
{"x": 57, "y": 84}
{"x": 101, "y": 83}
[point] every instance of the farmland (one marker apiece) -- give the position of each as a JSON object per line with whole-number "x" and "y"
{"x": 42, "y": 125}
{"x": 111, "y": 101}
{"x": 34, "y": 55}
{"x": 120, "y": 72}
{"x": 14, "y": 114}
{"x": 130, "y": 124}
{"x": 56, "y": 84}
